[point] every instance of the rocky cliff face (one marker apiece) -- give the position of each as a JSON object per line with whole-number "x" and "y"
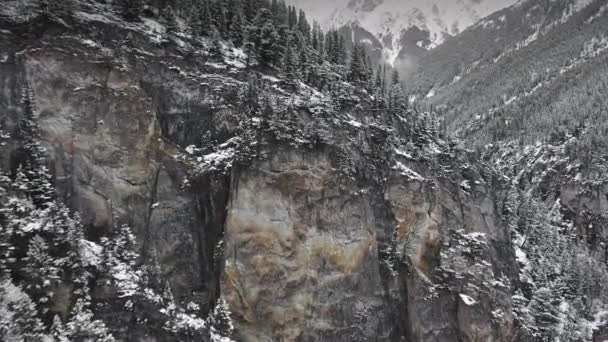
{"x": 317, "y": 221}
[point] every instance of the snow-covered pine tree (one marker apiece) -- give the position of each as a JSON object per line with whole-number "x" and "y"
{"x": 220, "y": 323}
{"x": 266, "y": 38}
{"x": 356, "y": 72}
{"x": 544, "y": 310}
{"x": 303, "y": 26}
{"x": 18, "y": 315}
{"x": 82, "y": 325}
{"x": 31, "y": 156}
{"x": 236, "y": 28}
{"x": 216, "y": 45}
{"x": 290, "y": 65}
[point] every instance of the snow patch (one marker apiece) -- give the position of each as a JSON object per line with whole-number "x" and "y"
{"x": 406, "y": 171}
{"x": 90, "y": 253}
{"x": 467, "y": 300}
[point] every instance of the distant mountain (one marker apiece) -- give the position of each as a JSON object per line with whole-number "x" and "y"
{"x": 529, "y": 71}
{"x": 403, "y": 29}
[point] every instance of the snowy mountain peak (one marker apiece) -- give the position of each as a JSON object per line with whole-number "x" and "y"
{"x": 390, "y": 20}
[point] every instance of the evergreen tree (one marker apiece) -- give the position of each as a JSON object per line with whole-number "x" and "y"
{"x": 341, "y": 50}
{"x": 237, "y": 29}
{"x": 30, "y": 158}
{"x": 358, "y": 66}
{"x": 220, "y": 322}
{"x": 304, "y": 26}
{"x": 290, "y": 65}
{"x": 194, "y": 19}
{"x": 544, "y": 311}
{"x": 292, "y": 17}
{"x": 19, "y": 320}
{"x": 216, "y": 45}
{"x": 266, "y": 39}
{"x": 316, "y": 36}
{"x": 219, "y": 20}
{"x": 205, "y": 18}
{"x": 282, "y": 14}
{"x": 249, "y": 10}
{"x": 169, "y": 15}
{"x": 131, "y": 9}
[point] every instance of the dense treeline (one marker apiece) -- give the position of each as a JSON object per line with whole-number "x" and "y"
{"x": 548, "y": 91}
{"x": 278, "y": 37}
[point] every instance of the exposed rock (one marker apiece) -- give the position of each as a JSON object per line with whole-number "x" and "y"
{"x": 316, "y": 229}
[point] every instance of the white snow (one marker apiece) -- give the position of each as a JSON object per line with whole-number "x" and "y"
{"x": 216, "y": 65}
{"x": 602, "y": 11}
{"x": 456, "y": 79}
{"x": 406, "y": 171}
{"x": 467, "y": 300}
{"x": 32, "y": 226}
{"x": 90, "y": 253}
{"x": 89, "y": 43}
{"x": 465, "y": 185}
{"x": 355, "y": 123}
{"x": 387, "y": 19}
{"x": 403, "y": 154}
{"x": 190, "y": 149}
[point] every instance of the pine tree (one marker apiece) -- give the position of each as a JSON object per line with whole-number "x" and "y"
{"x": 19, "y": 319}
{"x": 194, "y": 19}
{"x": 216, "y": 45}
{"x": 58, "y": 331}
{"x": 83, "y": 326}
{"x": 220, "y": 322}
{"x": 316, "y": 38}
{"x": 341, "y": 50}
{"x": 236, "y": 29}
{"x": 292, "y": 17}
{"x": 169, "y": 15}
{"x": 249, "y": 10}
{"x": 31, "y": 154}
{"x": 290, "y": 65}
{"x": 219, "y": 20}
{"x": 206, "y": 22}
{"x": 266, "y": 39}
{"x": 131, "y": 9}
{"x": 51, "y": 8}
{"x": 544, "y": 311}
{"x": 304, "y": 26}
{"x": 358, "y": 68}
{"x": 395, "y": 79}
{"x": 282, "y": 14}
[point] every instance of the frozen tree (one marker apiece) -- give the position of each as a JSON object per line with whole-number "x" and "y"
{"x": 31, "y": 155}
{"x": 18, "y": 316}
{"x": 220, "y": 323}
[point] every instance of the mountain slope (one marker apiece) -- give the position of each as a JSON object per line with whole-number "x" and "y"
{"x": 526, "y": 88}
{"x": 265, "y": 205}
{"x": 553, "y": 67}
{"x": 313, "y": 215}
{"x": 402, "y": 27}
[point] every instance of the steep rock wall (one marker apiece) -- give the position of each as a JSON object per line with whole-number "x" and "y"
{"x": 307, "y": 255}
